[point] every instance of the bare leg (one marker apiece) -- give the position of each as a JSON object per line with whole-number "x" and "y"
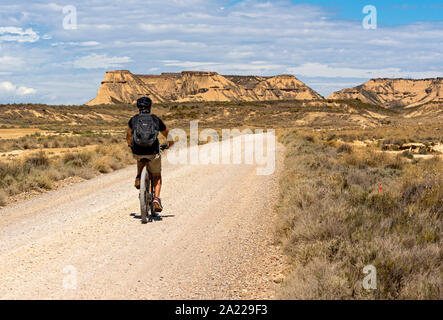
{"x": 157, "y": 184}
{"x": 140, "y": 166}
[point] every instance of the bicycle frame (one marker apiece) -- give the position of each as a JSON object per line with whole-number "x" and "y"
{"x": 147, "y": 191}
{"x": 147, "y": 194}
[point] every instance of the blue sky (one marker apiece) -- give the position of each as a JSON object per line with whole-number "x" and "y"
{"x": 321, "y": 42}
{"x": 391, "y": 12}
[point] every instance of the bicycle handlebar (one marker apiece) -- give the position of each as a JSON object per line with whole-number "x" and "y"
{"x": 162, "y": 147}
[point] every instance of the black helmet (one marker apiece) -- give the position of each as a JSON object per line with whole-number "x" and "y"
{"x": 144, "y": 103}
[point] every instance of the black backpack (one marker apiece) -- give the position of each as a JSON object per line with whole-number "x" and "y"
{"x": 145, "y": 131}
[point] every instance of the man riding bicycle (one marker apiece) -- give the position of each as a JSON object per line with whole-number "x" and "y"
{"x": 142, "y": 138}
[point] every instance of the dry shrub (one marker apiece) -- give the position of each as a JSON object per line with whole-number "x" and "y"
{"x": 103, "y": 164}
{"x": 334, "y": 220}
{"x": 38, "y": 172}
{"x": 424, "y": 192}
{"x": 309, "y": 138}
{"x": 344, "y": 148}
{"x": 86, "y": 173}
{"x": 332, "y": 143}
{"x": 78, "y": 159}
{"x": 372, "y": 158}
{"x": 302, "y": 285}
{"x": 54, "y": 174}
{"x": 39, "y": 159}
{"x": 3, "y": 198}
{"x": 288, "y": 137}
{"x": 36, "y": 141}
{"x": 407, "y": 154}
{"x": 43, "y": 181}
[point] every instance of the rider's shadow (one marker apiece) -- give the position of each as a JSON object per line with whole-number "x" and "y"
{"x": 157, "y": 218}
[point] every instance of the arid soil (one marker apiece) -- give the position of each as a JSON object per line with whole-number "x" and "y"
{"x": 214, "y": 239}
{"x": 16, "y": 133}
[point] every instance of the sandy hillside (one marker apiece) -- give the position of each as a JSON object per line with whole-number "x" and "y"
{"x": 432, "y": 109}
{"x": 122, "y": 86}
{"x": 395, "y": 92}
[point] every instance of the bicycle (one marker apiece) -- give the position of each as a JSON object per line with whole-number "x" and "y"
{"x": 147, "y": 193}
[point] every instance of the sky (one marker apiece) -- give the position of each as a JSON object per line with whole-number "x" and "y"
{"x": 58, "y": 52}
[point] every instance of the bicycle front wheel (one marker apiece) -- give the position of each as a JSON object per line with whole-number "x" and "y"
{"x": 144, "y": 185}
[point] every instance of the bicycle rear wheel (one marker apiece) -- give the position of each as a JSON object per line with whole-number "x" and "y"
{"x": 144, "y": 195}
{"x": 152, "y": 197}
{"x": 152, "y": 208}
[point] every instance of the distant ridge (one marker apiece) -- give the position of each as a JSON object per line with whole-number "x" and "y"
{"x": 121, "y": 86}
{"x": 391, "y": 93}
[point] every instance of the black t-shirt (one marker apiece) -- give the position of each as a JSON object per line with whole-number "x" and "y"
{"x": 160, "y": 126}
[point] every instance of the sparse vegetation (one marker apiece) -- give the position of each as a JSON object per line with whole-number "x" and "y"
{"x": 39, "y": 172}
{"x": 38, "y": 141}
{"x": 344, "y": 208}
{"x": 333, "y": 217}
{"x": 397, "y": 134}
{"x": 3, "y": 198}
{"x": 344, "y": 148}
{"x": 65, "y": 119}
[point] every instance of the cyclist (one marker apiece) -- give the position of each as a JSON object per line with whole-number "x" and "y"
{"x": 150, "y": 151}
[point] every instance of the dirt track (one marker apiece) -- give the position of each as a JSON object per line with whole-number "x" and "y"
{"x": 214, "y": 239}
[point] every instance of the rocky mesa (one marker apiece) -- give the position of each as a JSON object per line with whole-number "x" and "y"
{"x": 121, "y": 86}
{"x": 393, "y": 93}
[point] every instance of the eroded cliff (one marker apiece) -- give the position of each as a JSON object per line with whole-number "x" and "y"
{"x": 395, "y": 92}
{"x": 121, "y": 86}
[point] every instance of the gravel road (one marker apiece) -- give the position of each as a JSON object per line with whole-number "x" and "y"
{"x": 86, "y": 241}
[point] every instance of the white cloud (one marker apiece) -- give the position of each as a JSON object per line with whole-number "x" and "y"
{"x": 260, "y": 37}
{"x": 23, "y": 91}
{"x": 185, "y": 28}
{"x": 11, "y": 89}
{"x": 252, "y": 67}
{"x": 102, "y": 27}
{"x": 100, "y": 61}
{"x": 166, "y": 43}
{"x": 235, "y": 54}
{"x": 325, "y": 71}
{"x": 74, "y": 43}
{"x": 10, "y": 63}
{"x": 88, "y": 43}
{"x": 54, "y": 7}
{"x": 189, "y": 64}
{"x": 18, "y": 34}
{"x": 7, "y": 86}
